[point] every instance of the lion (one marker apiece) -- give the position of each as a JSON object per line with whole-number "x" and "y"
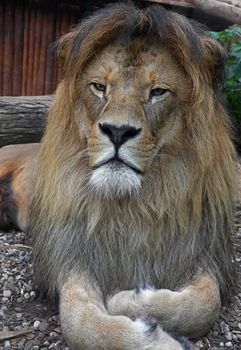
{"x": 132, "y": 198}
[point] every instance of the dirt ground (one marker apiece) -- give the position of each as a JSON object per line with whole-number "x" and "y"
{"x": 28, "y": 323}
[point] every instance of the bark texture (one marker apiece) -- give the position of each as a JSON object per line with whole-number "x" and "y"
{"x": 22, "y": 119}
{"x": 227, "y": 9}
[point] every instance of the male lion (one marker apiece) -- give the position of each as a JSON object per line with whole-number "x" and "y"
{"x": 131, "y": 209}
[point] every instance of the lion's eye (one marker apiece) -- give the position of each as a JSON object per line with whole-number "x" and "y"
{"x": 98, "y": 87}
{"x": 157, "y": 92}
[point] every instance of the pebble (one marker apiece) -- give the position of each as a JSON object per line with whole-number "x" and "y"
{"x": 46, "y": 343}
{"x": 26, "y": 296}
{"x": 229, "y": 344}
{"x": 7, "y": 293}
{"x": 21, "y": 344}
{"x": 18, "y": 316}
{"x": 53, "y": 334}
{"x": 199, "y": 344}
{"x": 32, "y": 294}
{"x": 221, "y": 344}
{"x": 43, "y": 326}
{"x": 3, "y": 311}
{"x": 7, "y": 345}
{"x": 228, "y": 335}
{"x": 36, "y": 324}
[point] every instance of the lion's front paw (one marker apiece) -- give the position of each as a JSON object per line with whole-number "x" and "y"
{"x": 124, "y": 303}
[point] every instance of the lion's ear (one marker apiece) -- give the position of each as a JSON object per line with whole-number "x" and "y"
{"x": 214, "y": 60}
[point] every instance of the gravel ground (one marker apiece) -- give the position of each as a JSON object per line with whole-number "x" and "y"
{"x": 28, "y": 323}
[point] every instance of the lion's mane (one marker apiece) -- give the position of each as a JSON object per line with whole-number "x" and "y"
{"x": 181, "y": 220}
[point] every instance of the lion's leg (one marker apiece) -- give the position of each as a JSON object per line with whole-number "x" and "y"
{"x": 87, "y": 325}
{"x": 190, "y": 311}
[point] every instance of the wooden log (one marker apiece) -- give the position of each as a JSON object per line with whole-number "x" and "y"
{"x": 227, "y": 9}
{"x": 22, "y": 119}
{"x": 230, "y": 10}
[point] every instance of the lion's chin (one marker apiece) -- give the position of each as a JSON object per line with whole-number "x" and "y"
{"x": 115, "y": 181}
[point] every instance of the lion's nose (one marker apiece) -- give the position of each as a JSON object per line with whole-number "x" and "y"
{"x": 119, "y": 134}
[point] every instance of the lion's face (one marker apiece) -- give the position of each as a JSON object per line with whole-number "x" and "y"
{"x": 132, "y": 96}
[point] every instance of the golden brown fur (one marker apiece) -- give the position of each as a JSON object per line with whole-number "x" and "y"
{"x": 168, "y": 223}
{"x": 16, "y": 170}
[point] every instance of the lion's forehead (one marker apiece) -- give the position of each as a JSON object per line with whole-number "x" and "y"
{"x": 144, "y": 62}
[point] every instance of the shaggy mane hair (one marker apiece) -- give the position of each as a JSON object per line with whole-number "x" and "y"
{"x": 181, "y": 220}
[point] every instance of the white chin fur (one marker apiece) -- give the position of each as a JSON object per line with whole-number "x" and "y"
{"x": 112, "y": 181}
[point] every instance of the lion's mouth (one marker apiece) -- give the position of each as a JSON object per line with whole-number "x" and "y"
{"x": 117, "y": 162}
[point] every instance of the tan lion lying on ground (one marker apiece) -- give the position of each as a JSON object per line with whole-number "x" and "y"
{"x": 131, "y": 207}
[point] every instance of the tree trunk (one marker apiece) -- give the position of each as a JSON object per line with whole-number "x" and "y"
{"x": 22, "y": 119}
{"x": 227, "y": 9}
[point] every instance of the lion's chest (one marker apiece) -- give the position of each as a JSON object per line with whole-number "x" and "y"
{"x": 125, "y": 259}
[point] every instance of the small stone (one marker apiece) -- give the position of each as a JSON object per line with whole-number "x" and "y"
{"x": 32, "y": 294}
{"x": 36, "y": 324}
{"x": 199, "y": 344}
{"x": 229, "y": 344}
{"x": 29, "y": 345}
{"x": 3, "y": 312}
{"x": 46, "y": 343}
{"x": 7, "y": 345}
{"x": 26, "y": 324}
{"x": 53, "y": 334}
{"x": 228, "y": 335}
{"x": 16, "y": 290}
{"x": 26, "y": 296}
{"x": 18, "y": 328}
{"x": 43, "y": 326}
{"x": 28, "y": 288}
{"x": 7, "y": 293}
{"x": 57, "y": 330}
{"x": 239, "y": 325}
{"x": 221, "y": 345}
{"x": 18, "y": 316}
{"x": 30, "y": 336}
{"x": 21, "y": 344}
